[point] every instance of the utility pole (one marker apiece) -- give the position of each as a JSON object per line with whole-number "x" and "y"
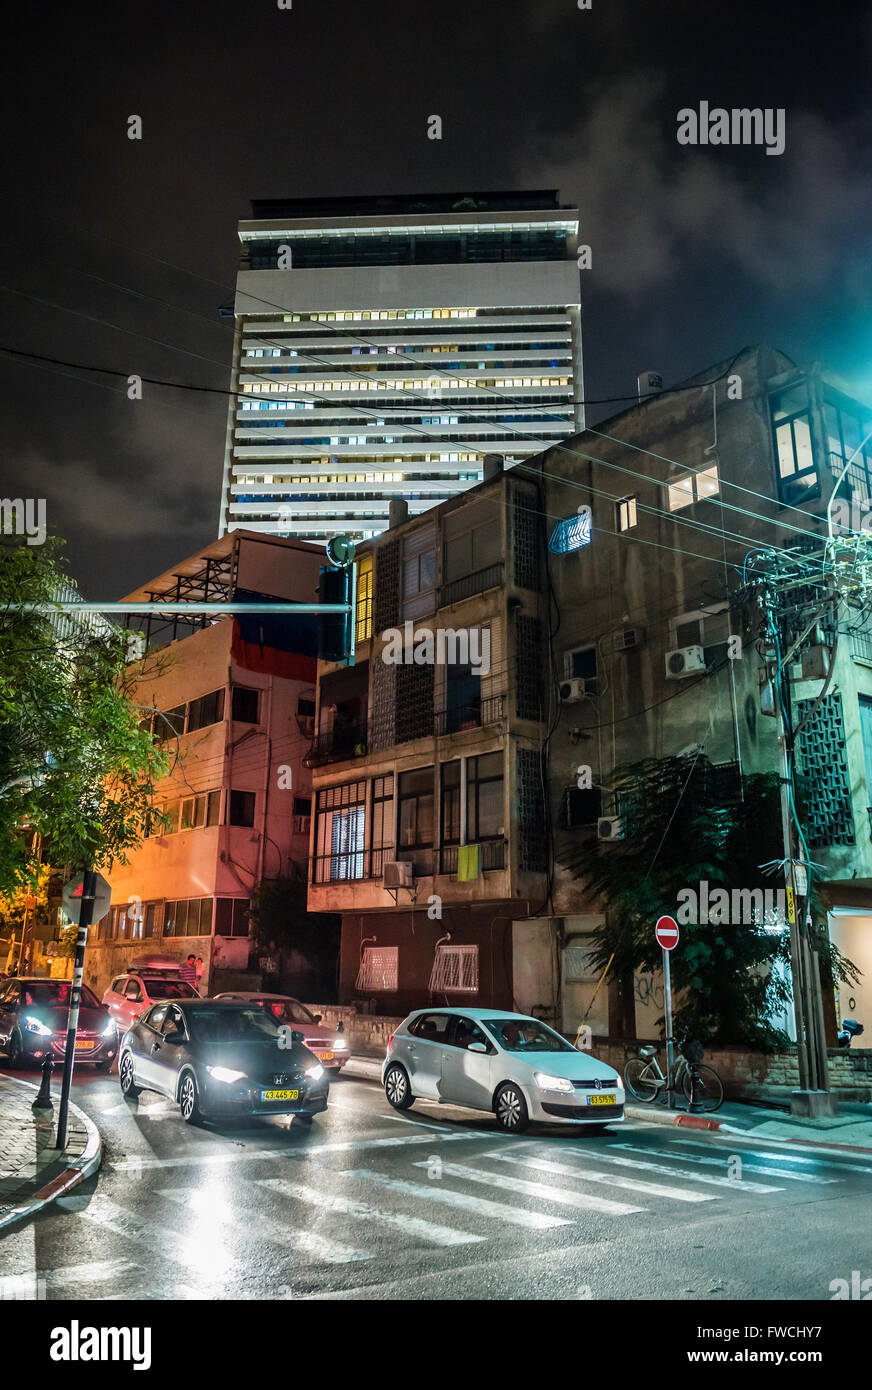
{"x": 86, "y": 910}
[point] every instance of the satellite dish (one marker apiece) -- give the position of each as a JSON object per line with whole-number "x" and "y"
{"x": 340, "y": 551}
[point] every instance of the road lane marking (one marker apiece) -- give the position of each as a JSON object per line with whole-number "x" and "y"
{"x": 310, "y": 1151}
{"x": 463, "y": 1201}
{"x": 545, "y": 1191}
{"x": 309, "y": 1242}
{"x": 787, "y": 1155}
{"x": 712, "y": 1162}
{"x": 645, "y": 1189}
{"x": 602, "y": 1157}
{"x": 348, "y": 1206}
{"x": 189, "y": 1251}
{"x": 97, "y": 1272}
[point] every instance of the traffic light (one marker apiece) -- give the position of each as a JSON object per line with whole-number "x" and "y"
{"x": 334, "y": 629}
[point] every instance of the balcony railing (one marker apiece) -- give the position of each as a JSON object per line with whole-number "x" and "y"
{"x": 490, "y": 578}
{"x": 457, "y": 717}
{"x": 492, "y": 855}
{"x": 353, "y": 866}
{"x": 337, "y": 746}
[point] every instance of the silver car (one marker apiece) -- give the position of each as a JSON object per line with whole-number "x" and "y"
{"x": 510, "y": 1064}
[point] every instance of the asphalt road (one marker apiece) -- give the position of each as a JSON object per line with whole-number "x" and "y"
{"x": 436, "y": 1204}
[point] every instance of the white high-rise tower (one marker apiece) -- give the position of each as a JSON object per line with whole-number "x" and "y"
{"x": 383, "y": 346}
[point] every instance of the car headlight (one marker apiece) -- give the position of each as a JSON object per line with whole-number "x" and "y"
{"x": 315, "y": 1073}
{"x": 619, "y": 1080}
{"x": 340, "y": 1045}
{"x": 551, "y": 1083}
{"x": 225, "y": 1074}
{"x": 109, "y": 1030}
{"x": 34, "y": 1025}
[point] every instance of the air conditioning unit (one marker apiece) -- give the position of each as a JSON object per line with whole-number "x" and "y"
{"x": 397, "y": 874}
{"x": 578, "y": 688}
{"x": 609, "y": 828}
{"x": 685, "y": 661}
{"x": 629, "y": 638}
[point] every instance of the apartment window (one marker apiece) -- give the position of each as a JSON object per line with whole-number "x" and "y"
{"x": 240, "y": 808}
{"x": 791, "y": 429}
{"x": 455, "y": 970}
{"x": 379, "y": 968}
{"x": 472, "y": 540}
{"x": 693, "y": 487}
{"x": 845, "y": 427}
{"x": 450, "y": 803}
{"x": 709, "y": 629}
{"x": 231, "y": 916}
{"x": 416, "y": 809}
{"x": 382, "y": 834}
{"x": 485, "y": 808}
{"x": 339, "y": 838}
{"x": 419, "y": 573}
{"x": 462, "y": 697}
{"x": 626, "y": 512}
{"x": 363, "y": 613}
{"x": 208, "y": 709}
{"x": 188, "y": 917}
{"x": 582, "y": 662}
{"x": 582, "y": 806}
{"x": 245, "y": 705}
{"x": 169, "y": 723}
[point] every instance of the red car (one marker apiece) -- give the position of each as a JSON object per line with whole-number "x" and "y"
{"x": 328, "y": 1044}
{"x": 33, "y": 1022}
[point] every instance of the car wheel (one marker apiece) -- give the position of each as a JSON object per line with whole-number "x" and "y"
{"x": 511, "y": 1109}
{"x": 397, "y": 1088}
{"x": 189, "y": 1100}
{"x": 127, "y": 1077}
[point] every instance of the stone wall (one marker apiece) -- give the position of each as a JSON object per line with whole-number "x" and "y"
{"x": 746, "y": 1075}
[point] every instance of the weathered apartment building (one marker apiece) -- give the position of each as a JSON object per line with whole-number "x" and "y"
{"x": 231, "y": 699}
{"x": 446, "y": 802}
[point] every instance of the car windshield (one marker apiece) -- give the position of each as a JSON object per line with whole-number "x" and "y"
{"x": 51, "y": 994}
{"x": 526, "y": 1035}
{"x": 158, "y": 988}
{"x": 287, "y": 1011}
{"x": 229, "y": 1024}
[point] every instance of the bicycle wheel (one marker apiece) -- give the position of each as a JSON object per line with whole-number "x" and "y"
{"x": 708, "y": 1090}
{"x": 640, "y": 1080}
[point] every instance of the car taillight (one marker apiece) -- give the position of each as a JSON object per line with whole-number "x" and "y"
{"x": 390, "y": 1039}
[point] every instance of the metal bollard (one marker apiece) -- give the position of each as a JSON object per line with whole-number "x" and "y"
{"x": 43, "y": 1099}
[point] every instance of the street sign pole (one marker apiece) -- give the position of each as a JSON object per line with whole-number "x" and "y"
{"x": 670, "y": 1050}
{"x": 86, "y": 909}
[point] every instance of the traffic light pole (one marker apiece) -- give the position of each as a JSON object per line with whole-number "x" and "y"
{"x": 86, "y": 911}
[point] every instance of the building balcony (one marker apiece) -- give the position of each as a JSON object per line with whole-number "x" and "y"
{"x": 456, "y": 718}
{"x": 352, "y": 866}
{"x": 493, "y": 854}
{"x": 338, "y": 746}
{"x": 470, "y": 584}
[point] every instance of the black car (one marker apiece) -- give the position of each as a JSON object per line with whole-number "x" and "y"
{"x": 221, "y": 1060}
{"x": 33, "y": 1022}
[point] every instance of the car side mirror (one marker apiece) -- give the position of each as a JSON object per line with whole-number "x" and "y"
{"x": 476, "y": 1047}
{"x": 296, "y": 1037}
{"x": 317, "y": 1017}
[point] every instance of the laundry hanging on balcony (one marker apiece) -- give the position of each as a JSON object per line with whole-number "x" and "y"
{"x": 468, "y": 862}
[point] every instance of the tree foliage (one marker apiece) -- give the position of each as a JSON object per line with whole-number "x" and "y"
{"x": 74, "y": 765}
{"x": 686, "y": 821}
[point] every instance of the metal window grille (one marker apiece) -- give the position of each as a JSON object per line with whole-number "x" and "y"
{"x": 526, "y": 539}
{"x": 455, "y": 970}
{"x": 529, "y": 667}
{"x": 822, "y": 753}
{"x": 378, "y": 970}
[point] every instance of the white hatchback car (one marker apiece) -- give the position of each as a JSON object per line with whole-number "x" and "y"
{"x": 510, "y": 1064}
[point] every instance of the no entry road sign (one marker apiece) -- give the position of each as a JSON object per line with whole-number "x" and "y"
{"x": 666, "y": 932}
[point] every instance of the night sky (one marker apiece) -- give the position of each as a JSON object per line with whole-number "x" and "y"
{"x": 696, "y": 251}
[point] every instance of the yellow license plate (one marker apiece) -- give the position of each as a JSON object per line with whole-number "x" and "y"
{"x": 324, "y": 1056}
{"x": 85, "y": 1044}
{"x": 281, "y": 1095}
{"x": 601, "y": 1100}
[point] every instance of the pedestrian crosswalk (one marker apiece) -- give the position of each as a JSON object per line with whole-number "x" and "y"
{"x": 346, "y": 1203}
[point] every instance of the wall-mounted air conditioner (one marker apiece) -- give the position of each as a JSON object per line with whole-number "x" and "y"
{"x": 629, "y": 638}
{"x": 397, "y": 874}
{"x": 685, "y": 661}
{"x": 609, "y": 828}
{"x": 578, "y": 688}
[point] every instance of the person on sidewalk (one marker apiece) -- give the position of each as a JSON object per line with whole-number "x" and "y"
{"x": 200, "y": 972}
{"x": 189, "y": 970}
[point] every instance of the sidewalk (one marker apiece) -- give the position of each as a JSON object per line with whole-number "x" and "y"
{"x": 851, "y": 1129}
{"x": 32, "y": 1173}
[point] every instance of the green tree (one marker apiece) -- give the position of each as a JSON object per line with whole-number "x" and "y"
{"x": 686, "y": 821}
{"x": 75, "y": 767}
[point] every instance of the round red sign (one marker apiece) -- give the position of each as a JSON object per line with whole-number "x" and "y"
{"x": 666, "y": 932}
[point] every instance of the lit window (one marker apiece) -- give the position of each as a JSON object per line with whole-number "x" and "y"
{"x": 626, "y": 513}
{"x": 680, "y": 493}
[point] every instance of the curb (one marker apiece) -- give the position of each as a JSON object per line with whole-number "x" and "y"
{"x": 681, "y": 1118}
{"x": 80, "y": 1168}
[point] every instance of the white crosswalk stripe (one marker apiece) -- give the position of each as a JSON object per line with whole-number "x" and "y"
{"x": 279, "y": 1233}
{"x": 789, "y": 1156}
{"x": 583, "y": 1175}
{"x": 135, "y": 1164}
{"x": 612, "y": 1159}
{"x": 582, "y": 1200}
{"x": 463, "y": 1201}
{"x": 349, "y": 1206}
{"x": 709, "y": 1162}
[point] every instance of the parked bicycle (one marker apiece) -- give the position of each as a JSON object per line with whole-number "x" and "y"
{"x": 701, "y": 1085}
